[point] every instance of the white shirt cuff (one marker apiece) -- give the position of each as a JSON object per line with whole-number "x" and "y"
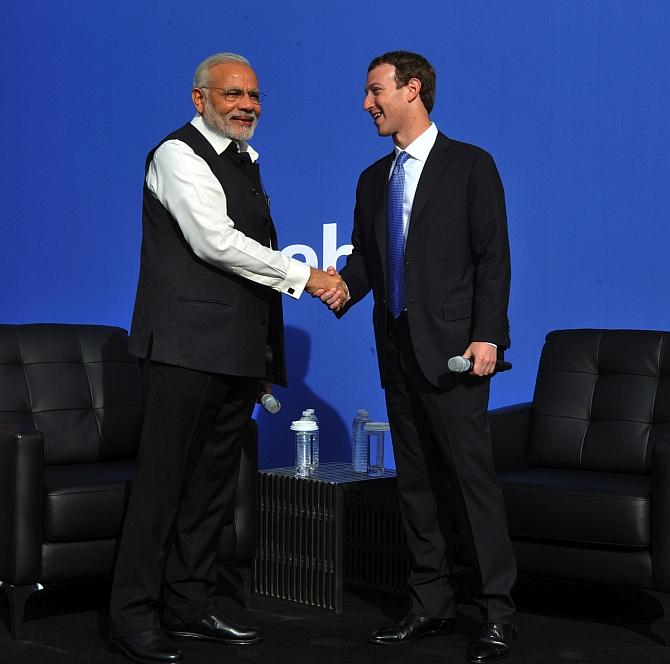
{"x": 296, "y": 279}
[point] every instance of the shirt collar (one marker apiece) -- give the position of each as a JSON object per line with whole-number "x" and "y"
{"x": 421, "y": 146}
{"x": 218, "y": 142}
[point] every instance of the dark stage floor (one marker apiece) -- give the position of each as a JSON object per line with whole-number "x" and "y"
{"x": 559, "y": 622}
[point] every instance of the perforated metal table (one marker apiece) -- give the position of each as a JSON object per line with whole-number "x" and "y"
{"x": 332, "y": 529}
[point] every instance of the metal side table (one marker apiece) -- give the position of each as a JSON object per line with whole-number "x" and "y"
{"x": 332, "y": 529}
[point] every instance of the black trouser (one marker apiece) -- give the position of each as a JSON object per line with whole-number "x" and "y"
{"x": 442, "y": 448}
{"x": 181, "y": 496}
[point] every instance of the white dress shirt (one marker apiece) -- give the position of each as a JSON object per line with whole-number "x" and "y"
{"x": 418, "y": 150}
{"x": 185, "y": 185}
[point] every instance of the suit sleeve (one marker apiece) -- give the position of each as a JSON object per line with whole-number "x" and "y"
{"x": 355, "y": 271}
{"x": 490, "y": 251}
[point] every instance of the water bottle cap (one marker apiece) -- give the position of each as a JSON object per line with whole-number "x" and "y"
{"x": 376, "y": 426}
{"x": 304, "y": 425}
{"x": 309, "y": 410}
{"x": 362, "y": 412}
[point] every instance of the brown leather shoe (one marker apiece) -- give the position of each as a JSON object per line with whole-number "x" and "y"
{"x": 493, "y": 643}
{"x": 412, "y": 627}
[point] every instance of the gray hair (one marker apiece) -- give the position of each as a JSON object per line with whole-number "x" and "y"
{"x": 201, "y": 76}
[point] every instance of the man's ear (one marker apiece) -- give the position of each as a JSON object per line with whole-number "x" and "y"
{"x": 413, "y": 89}
{"x": 198, "y": 98}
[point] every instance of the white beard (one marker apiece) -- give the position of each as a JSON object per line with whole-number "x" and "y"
{"x": 222, "y": 125}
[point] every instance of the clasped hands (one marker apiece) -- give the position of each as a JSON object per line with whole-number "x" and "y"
{"x": 329, "y": 287}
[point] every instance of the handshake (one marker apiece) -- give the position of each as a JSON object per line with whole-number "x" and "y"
{"x": 329, "y": 287}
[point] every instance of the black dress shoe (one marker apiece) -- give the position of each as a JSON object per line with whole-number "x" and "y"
{"x": 146, "y": 647}
{"x": 494, "y": 642}
{"x": 213, "y": 628}
{"x": 412, "y": 627}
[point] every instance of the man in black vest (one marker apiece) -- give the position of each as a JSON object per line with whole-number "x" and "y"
{"x": 208, "y": 325}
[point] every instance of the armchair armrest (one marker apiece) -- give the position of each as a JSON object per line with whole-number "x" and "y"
{"x": 21, "y": 460}
{"x": 510, "y": 435}
{"x": 660, "y": 517}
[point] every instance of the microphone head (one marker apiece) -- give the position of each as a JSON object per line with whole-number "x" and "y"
{"x": 270, "y": 403}
{"x": 459, "y": 364}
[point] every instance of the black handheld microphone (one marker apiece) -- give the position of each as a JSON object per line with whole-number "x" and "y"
{"x": 460, "y": 364}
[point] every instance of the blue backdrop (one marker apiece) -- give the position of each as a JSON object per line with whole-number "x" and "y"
{"x": 572, "y": 97}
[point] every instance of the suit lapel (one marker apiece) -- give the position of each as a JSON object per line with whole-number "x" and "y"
{"x": 433, "y": 170}
{"x": 381, "y": 183}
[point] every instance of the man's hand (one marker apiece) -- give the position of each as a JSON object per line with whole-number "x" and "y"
{"x": 265, "y": 388}
{"x": 334, "y": 297}
{"x": 484, "y": 356}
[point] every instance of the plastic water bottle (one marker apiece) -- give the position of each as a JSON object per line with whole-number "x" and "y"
{"x": 306, "y": 442}
{"x": 309, "y": 414}
{"x": 359, "y": 442}
{"x": 374, "y": 433}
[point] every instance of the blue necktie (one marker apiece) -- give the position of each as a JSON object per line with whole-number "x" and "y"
{"x": 395, "y": 241}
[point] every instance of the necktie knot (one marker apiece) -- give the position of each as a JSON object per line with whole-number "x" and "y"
{"x": 400, "y": 160}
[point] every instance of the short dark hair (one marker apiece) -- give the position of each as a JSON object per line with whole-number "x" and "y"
{"x": 410, "y": 65}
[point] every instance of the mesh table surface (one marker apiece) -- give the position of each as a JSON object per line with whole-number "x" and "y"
{"x": 332, "y": 473}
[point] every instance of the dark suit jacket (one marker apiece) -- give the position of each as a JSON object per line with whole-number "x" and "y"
{"x": 457, "y": 264}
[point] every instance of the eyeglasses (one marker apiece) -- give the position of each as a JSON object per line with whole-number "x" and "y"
{"x": 235, "y": 94}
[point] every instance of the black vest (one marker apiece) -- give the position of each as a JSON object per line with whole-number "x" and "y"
{"x": 192, "y": 314}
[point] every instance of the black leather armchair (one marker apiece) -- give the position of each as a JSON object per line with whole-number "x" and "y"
{"x": 585, "y": 467}
{"x": 70, "y": 418}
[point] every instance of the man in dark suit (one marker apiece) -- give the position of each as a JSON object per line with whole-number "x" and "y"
{"x": 208, "y": 326}
{"x": 430, "y": 241}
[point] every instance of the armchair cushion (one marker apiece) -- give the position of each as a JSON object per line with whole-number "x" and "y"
{"x": 595, "y": 508}
{"x": 602, "y": 400}
{"x": 77, "y": 385}
{"x": 85, "y": 501}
